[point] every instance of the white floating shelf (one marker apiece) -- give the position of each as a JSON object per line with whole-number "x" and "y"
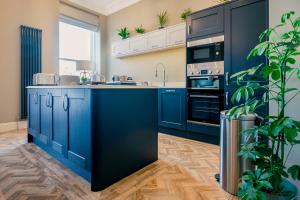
{"x": 168, "y": 38}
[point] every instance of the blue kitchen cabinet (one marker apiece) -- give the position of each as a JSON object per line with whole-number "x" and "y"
{"x": 172, "y": 108}
{"x": 70, "y": 125}
{"x": 59, "y": 122}
{"x": 206, "y": 23}
{"x": 105, "y": 126}
{"x": 245, "y": 20}
{"x": 33, "y": 112}
{"x": 78, "y": 113}
{"x": 45, "y": 116}
{"x": 39, "y": 114}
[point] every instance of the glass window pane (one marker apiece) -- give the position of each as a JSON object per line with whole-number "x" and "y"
{"x": 67, "y": 67}
{"x": 74, "y": 42}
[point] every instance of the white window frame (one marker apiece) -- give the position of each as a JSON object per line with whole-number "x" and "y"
{"x": 95, "y": 40}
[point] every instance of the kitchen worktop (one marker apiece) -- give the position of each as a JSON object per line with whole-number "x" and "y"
{"x": 95, "y": 87}
{"x": 151, "y": 86}
{"x": 170, "y": 84}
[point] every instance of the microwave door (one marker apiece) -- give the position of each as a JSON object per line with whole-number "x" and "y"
{"x": 200, "y": 54}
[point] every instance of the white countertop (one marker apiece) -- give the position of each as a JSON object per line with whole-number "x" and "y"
{"x": 95, "y": 87}
{"x": 151, "y": 86}
{"x": 169, "y": 84}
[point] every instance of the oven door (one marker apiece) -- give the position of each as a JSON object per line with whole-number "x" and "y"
{"x": 205, "y": 53}
{"x": 203, "y": 82}
{"x": 205, "y": 108}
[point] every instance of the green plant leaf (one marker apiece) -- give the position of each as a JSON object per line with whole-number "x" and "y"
{"x": 294, "y": 171}
{"x": 162, "y": 18}
{"x": 291, "y": 134}
{"x": 288, "y": 123}
{"x": 296, "y": 23}
{"x": 298, "y": 73}
{"x": 186, "y": 13}
{"x": 123, "y": 33}
{"x": 286, "y": 16}
{"x": 261, "y": 48}
{"x": 265, "y": 34}
{"x": 291, "y": 61}
{"x": 237, "y": 95}
{"x": 275, "y": 75}
{"x": 285, "y": 36}
{"x": 266, "y": 185}
{"x": 295, "y": 53}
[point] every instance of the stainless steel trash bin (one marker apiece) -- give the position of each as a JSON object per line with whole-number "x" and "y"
{"x": 232, "y": 166}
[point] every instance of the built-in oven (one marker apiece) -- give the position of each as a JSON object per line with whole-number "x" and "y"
{"x": 205, "y": 50}
{"x": 205, "y": 107}
{"x": 206, "y": 76}
{"x": 205, "y": 81}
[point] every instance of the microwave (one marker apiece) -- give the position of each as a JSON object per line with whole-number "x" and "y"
{"x": 205, "y": 50}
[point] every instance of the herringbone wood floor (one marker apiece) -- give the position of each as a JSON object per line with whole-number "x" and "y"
{"x": 185, "y": 170}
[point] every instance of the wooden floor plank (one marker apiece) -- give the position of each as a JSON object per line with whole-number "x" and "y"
{"x": 185, "y": 171}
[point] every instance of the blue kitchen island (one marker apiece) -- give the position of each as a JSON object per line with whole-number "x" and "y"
{"x": 102, "y": 133}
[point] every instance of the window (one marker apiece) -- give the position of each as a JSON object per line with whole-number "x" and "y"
{"x": 77, "y": 41}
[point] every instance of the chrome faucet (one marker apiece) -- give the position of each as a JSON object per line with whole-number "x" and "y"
{"x": 164, "y": 71}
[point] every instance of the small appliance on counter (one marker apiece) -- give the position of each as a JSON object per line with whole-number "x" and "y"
{"x": 45, "y": 79}
{"x": 69, "y": 80}
{"x": 54, "y": 79}
{"x": 97, "y": 79}
{"x": 121, "y": 80}
{"x": 121, "y": 83}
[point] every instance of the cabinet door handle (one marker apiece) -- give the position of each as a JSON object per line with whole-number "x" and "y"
{"x": 36, "y": 98}
{"x": 204, "y": 96}
{"x": 189, "y": 29}
{"x": 65, "y": 103}
{"x": 50, "y": 101}
{"x": 227, "y": 78}
{"x": 226, "y": 99}
{"x": 47, "y": 100}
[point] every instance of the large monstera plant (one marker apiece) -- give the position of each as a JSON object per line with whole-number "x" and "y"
{"x": 277, "y": 133}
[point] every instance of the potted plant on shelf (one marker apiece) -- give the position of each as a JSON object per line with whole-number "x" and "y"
{"x": 124, "y": 33}
{"x": 185, "y": 13}
{"x": 280, "y": 45}
{"x": 140, "y": 29}
{"x": 162, "y": 19}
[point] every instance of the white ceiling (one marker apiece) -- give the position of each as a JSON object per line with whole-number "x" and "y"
{"x": 105, "y": 7}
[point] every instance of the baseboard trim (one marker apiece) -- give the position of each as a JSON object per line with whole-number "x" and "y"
{"x": 12, "y": 126}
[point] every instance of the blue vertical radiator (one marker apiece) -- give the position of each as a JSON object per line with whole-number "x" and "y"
{"x": 31, "y": 61}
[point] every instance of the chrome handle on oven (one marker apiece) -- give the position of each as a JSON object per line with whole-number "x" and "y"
{"x": 227, "y": 78}
{"x": 226, "y": 99}
{"x": 203, "y": 123}
{"x": 204, "y": 96}
{"x": 202, "y": 77}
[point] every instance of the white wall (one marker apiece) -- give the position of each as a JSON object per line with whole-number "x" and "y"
{"x": 42, "y": 14}
{"x": 277, "y": 7}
